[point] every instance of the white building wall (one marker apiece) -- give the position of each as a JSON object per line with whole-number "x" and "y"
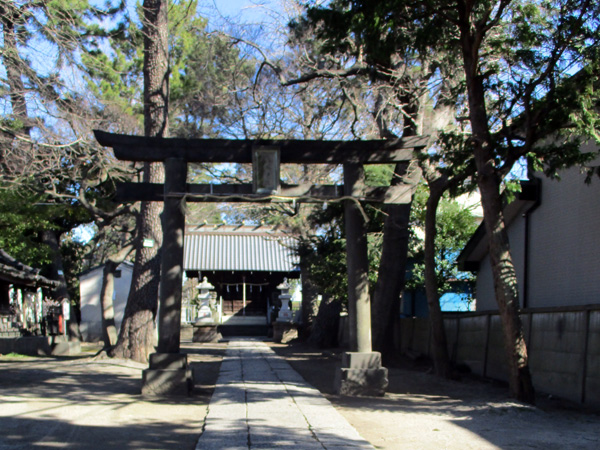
{"x": 565, "y": 243}
{"x": 90, "y": 285}
{"x": 89, "y": 291}
{"x": 564, "y": 247}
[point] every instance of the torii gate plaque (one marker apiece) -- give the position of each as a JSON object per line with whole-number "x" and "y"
{"x": 361, "y": 370}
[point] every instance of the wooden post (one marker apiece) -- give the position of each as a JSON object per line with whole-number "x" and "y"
{"x": 359, "y": 302}
{"x": 486, "y": 350}
{"x": 244, "y": 295}
{"x": 584, "y": 361}
{"x": 171, "y": 274}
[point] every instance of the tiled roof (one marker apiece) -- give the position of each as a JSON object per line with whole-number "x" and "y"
{"x": 240, "y": 248}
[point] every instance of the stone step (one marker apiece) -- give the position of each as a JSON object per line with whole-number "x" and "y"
{"x": 243, "y": 330}
{"x": 10, "y": 334}
{"x": 244, "y": 320}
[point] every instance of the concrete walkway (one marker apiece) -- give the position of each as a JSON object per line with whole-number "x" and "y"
{"x": 260, "y": 402}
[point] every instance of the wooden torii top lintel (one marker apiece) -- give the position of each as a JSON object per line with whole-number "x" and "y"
{"x": 141, "y": 148}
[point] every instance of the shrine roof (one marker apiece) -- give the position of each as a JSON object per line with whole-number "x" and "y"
{"x": 13, "y": 271}
{"x": 239, "y": 248}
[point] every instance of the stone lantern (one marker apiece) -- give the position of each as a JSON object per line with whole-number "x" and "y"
{"x": 205, "y": 311}
{"x": 205, "y": 328}
{"x": 285, "y": 313}
{"x": 284, "y": 330}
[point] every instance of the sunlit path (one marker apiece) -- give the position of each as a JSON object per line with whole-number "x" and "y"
{"x": 261, "y": 402}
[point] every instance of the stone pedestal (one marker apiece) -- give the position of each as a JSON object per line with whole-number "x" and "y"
{"x": 206, "y": 333}
{"x": 40, "y": 346}
{"x": 285, "y": 313}
{"x": 361, "y": 374}
{"x": 65, "y": 348}
{"x": 187, "y": 332}
{"x": 168, "y": 374}
{"x": 284, "y": 332}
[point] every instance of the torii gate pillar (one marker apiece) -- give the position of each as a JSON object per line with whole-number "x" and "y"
{"x": 361, "y": 372}
{"x": 168, "y": 372}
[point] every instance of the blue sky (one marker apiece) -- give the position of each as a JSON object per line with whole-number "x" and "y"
{"x": 248, "y": 8}
{"x": 244, "y": 11}
{"x": 235, "y": 11}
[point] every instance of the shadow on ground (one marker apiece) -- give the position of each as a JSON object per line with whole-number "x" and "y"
{"x": 426, "y": 412}
{"x": 48, "y": 432}
{"x": 96, "y": 404}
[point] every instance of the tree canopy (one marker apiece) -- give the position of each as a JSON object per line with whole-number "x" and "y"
{"x": 525, "y": 91}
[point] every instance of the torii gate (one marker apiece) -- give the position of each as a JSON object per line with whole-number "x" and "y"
{"x": 361, "y": 370}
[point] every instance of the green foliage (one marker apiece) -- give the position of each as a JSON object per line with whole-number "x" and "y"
{"x": 115, "y": 76}
{"x": 526, "y": 55}
{"x": 379, "y": 174}
{"x": 511, "y": 189}
{"x": 325, "y": 252}
{"x": 326, "y": 260}
{"x": 15, "y": 355}
{"x": 207, "y": 72}
{"x": 25, "y": 215}
{"x": 21, "y": 224}
{"x": 50, "y": 37}
{"x": 454, "y": 227}
{"x": 382, "y": 30}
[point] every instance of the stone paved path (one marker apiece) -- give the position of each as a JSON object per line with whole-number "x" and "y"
{"x": 260, "y": 402}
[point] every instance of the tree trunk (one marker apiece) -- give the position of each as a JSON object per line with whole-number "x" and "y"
{"x": 506, "y": 289}
{"x": 156, "y": 68}
{"x": 441, "y": 359}
{"x": 136, "y": 338}
{"x": 51, "y": 239}
{"x": 391, "y": 278}
{"x": 109, "y": 329}
{"x": 309, "y": 301}
{"x": 392, "y": 266}
{"x": 326, "y": 326}
{"x": 488, "y": 181}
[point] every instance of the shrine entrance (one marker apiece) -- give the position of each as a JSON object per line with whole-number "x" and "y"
{"x": 245, "y": 264}
{"x": 361, "y": 369}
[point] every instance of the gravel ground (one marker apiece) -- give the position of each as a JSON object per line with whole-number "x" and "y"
{"x": 93, "y": 403}
{"x": 421, "y": 411}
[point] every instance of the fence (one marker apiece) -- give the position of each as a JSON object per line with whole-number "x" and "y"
{"x": 563, "y": 346}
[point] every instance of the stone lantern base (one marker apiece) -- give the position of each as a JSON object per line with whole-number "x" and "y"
{"x": 206, "y": 333}
{"x": 284, "y": 332}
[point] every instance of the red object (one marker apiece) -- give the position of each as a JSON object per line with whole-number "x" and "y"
{"x": 61, "y": 324}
